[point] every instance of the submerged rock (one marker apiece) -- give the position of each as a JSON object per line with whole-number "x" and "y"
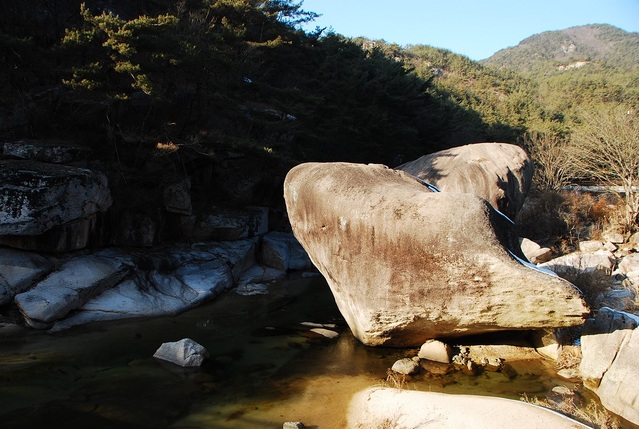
{"x": 406, "y": 264}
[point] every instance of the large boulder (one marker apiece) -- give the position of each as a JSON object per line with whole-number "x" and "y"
{"x": 500, "y": 173}
{"x": 35, "y": 196}
{"x": 610, "y": 358}
{"x": 406, "y": 264}
{"x": 378, "y": 407}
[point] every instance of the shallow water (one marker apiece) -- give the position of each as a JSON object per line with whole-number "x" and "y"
{"x": 265, "y": 369}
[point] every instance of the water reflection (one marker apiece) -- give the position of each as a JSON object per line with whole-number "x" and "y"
{"x": 265, "y": 368}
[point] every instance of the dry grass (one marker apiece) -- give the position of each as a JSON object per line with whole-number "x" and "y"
{"x": 569, "y": 358}
{"x": 593, "y": 414}
{"x": 395, "y": 380}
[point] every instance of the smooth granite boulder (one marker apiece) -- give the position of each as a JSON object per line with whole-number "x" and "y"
{"x": 406, "y": 264}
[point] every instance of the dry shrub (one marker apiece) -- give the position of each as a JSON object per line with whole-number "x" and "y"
{"x": 562, "y": 219}
{"x": 540, "y": 218}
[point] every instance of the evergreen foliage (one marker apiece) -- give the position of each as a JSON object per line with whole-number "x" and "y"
{"x": 243, "y": 74}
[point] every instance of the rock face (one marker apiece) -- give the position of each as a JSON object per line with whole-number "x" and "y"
{"x": 34, "y": 196}
{"x": 610, "y": 358}
{"x": 406, "y": 264}
{"x": 384, "y": 407}
{"x": 500, "y": 173}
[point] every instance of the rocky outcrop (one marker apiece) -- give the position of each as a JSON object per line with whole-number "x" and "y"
{"x": 500, "y": 173}
{"x": 113, "y": 284}
{"x": 51, "y": 151}
{"x": 35, "y": 197}
{"x": 610, "y": 358}
{"x": 168, "y": 282}
{"x": 386, "y": 407}
{"x": 406, "y": 264}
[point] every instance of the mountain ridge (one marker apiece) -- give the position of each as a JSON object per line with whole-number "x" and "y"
{"x": 601, "y": 44}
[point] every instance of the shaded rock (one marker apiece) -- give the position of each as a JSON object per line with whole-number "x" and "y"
{"x": 281, "y": 250}
{"x": 174, "y": 280}
{"x": 137, "y": 229}
{"x": 52, "y": 151}
{"x": 546, "y": 343}
{"x": 436, "y": 351}
{"x": 19, "y": 271}
{"x": 76, "y": 282}
{"x": 255, "y": 280}
{"x": 405, "y": 366}
{"x": 620, "y": 299}
{"x": 610, "y": 358}
{"x": 75, "y": 235}
{"x": 186, "y": 353}
{"x": 34, "y": 197}
{"x": 224, "y": 223}
{"x": 500, "y": 173}
{"x": 386, "y": 407}
{"x": 177, "y": 197}
{"x": 406, "y": 265}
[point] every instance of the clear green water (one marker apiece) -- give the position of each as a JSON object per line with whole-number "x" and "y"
{"x": 265, "y": 369}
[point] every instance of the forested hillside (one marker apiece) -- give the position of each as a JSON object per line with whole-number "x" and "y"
{"x": 242, "y": 74}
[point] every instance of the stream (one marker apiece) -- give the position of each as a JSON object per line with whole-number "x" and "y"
{"x": 265, "y": 368}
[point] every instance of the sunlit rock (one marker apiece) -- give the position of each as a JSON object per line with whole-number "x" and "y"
{"x": 406, "y": 264}
{"x": 378, "y": 407}
{"x": 500, "y": 173}
{"x": 610, "y": 358}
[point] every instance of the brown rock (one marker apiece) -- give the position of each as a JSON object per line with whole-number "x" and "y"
{"x": 406, "y": 265}
{"x": 500, "y": 173}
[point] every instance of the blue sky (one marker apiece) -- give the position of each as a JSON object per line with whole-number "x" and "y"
{"x": 474, "y": 28}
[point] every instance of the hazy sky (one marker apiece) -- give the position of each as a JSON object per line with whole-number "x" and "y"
{"x": 475, "y": 28}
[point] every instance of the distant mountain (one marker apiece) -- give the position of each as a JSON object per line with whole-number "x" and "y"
{"x": 575, "y": 47}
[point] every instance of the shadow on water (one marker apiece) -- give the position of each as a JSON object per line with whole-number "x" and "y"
{"x": 265, "y": 368}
